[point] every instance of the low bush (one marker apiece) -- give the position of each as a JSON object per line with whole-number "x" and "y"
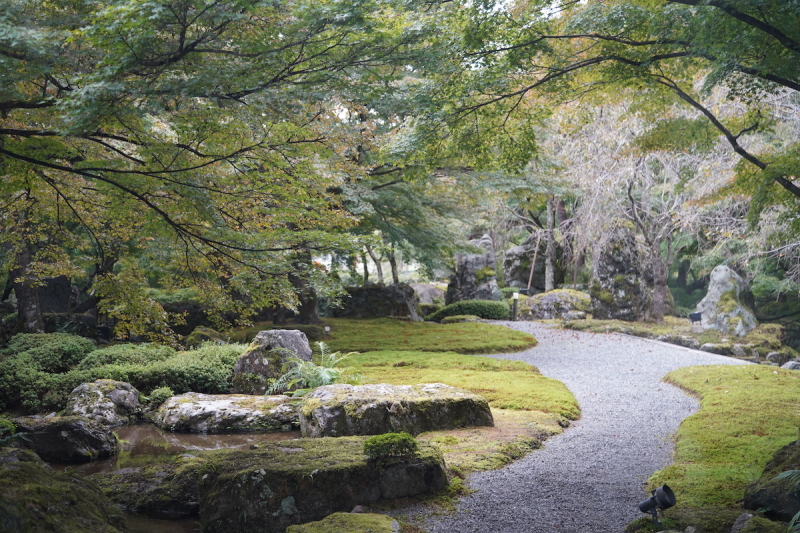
{"x": 159, "y": 396}
{"x": 380, "y": 447}
{"x": 208, "y": 369}
{"x": 138, "y": 354}
{"x": 50, "y": 352}
{"x": 487, "y": 309}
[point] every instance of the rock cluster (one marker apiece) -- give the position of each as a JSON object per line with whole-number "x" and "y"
{"x": 338, "y": 410}
{"x": 475, "y": 277}
{"x": 517, "y": 265}
{"x": 226, "y": 413}
{"x": 618, "y": 288}
{"x": 560, "y": 303}
{"x": 723, "y": 308}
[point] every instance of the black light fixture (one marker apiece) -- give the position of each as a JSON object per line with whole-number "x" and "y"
{"x": 662, "y": 498}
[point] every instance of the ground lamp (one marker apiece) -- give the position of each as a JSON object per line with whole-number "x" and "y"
{"x": 515, "y": 298}
{"x": 327, "y": 330}
{"x": 662, "y": 498}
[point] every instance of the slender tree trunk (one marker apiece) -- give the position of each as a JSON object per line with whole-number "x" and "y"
{"x": 377, "y": 261}
{"x": 308, "y": 312}
{"x": 683, "y": 271}
{"x": 28, "y": 306}
{"x": 393, "y": 264}
{"x": 366, "y": 268}
{"x": 550, "y": 251}
{"x": 660, "y": 277}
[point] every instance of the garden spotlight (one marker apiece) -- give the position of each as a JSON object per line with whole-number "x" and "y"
{"x": 662, "y": 498}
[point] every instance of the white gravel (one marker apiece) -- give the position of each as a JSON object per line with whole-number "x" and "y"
{"x": 589, "y": 479}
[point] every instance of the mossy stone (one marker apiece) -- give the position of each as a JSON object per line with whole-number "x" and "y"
{"x": 349, "y": 523}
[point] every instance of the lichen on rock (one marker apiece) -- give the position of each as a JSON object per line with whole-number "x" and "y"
{"x": 558, "y": 303}
{"x": 722, "y": 308}
{"x": 265, "y": 358}
{"x": 108, "y": 402}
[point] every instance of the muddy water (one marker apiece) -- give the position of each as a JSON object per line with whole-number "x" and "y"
{"x": 143, "y": 441}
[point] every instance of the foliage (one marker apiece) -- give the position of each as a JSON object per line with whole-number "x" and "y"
{"x": 388, "y": 334}
{"x": 742, "y": 421}
{"x": 301, "y": 376}
{"x": 7, "y": 428}
{"x": 208, "y": 369}
{"x": 137, "y": 354}
{"x": 50, "y": 352}
{"x": 159, "y": 396}
{"x": 487, "y": 309}
{"x": 427, "y": 309}
{"x": 380, "y": 447}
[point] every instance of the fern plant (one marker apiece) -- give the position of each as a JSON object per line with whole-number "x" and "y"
{"x": 302, "y": 376}
{"x": 794, "y": 477}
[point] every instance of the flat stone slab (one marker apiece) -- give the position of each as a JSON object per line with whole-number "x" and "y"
{"x": 275, "y": 486}
{"x": 338, "y": 410}
{"x": 227, "y": 413}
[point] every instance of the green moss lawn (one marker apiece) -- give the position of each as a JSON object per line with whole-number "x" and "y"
{"x": 746, "y": 414}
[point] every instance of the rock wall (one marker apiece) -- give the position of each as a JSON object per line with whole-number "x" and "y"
{"x": 475, "y": 277}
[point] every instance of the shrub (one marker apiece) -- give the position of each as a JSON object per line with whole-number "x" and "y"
{"x": 139, "y": 354}
{"x": 6, "y": 428}
{"x": 306, "y": 375}
{"x": 379, "y": 447}
{"x": 50, "y": 352}
{"x": 507, "y": 292}
{"x": 486, "y": 309}
{"x": 159, "y": 396}
{"x": 427, "y": 309}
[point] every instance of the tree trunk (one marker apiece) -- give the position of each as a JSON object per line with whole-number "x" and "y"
{"x": 377, "y": 261}
{"x": 550, "y": 251}
{"x": 308, "y": 311}
{"x": 28, "y": 306}
{"x": 393, "y": 264}
{"x": 660, "y": 277}
{"x": 683, "y": 271}
{"x": 366, "y": 268}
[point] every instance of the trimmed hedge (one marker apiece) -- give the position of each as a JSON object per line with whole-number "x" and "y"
{"x": 486, "y": 309}
{"x": 50, "y": 352}
{"x": 139, "y": 354}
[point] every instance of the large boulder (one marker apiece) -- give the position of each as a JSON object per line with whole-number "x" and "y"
{"x": 275, "y": 486}
{"x": 475, "y": 277}
{"x": 618, "y": 288}
{"x": 108, "y": 402}
{"x": 517, "y": 265}
{"x": 781, "y": 497}
{"x": 427, "y": 293}
{"x": 560, "y": 303}
{"x": 226, "y": 413}
{"x": 723, "y": 308}
{"x": 65, "y": 439}
{"x": 266, "y": 358}
{"x": 378, "y": 301}
{"x": 34, "y": 499}
{"x": 338, "y": 410}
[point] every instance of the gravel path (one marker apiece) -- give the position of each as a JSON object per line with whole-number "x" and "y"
{"x": 588, "y": 479}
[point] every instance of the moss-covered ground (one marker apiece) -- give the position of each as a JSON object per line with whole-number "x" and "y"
{"x": 765, "y": 338}
{"x": 390, "y": 334}
{"x": 746, "y": 414}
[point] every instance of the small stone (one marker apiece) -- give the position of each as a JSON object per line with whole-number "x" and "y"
{"x": 791, "y": 365}
{"x": 358, "y": 509}
{"x": 741, "y": 523}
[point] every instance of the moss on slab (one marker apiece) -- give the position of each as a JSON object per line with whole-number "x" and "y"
{"x": 349, "y": 523}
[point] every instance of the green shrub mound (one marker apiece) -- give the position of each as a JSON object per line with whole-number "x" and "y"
{"x": 137, "y": 354}
{"x": 208, "y": 369}
{"x": 486, "y": 309}
{"x": 388, "y": 445}
{"x": 49, "y": 352}
{"x": 159, "y": 396}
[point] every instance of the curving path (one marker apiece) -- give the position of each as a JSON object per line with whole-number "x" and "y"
{"x": 590, "y": 478}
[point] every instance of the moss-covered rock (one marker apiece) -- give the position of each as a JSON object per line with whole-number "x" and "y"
{"x": 108, "y": 402}
{"x": 202, "y": 334}
{"x": 378, "y": 301}
{"x": 266, "y": 357}
{"x": 265, "y": 490}
{"x": 554, "y": 304}
{"x": 457, "y": 319}
{"x": 65, "y": 439}
{"x": 722, "y": 307}
{"x": 349, "y": 523}
{"x": 338, "y": 410}
{"x": 226, "y": 413}
{"x": 781, "y": 497}
{"x": 34, "y": 499}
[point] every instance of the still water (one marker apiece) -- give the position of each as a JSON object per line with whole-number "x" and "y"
{"x": 146, "y": 440}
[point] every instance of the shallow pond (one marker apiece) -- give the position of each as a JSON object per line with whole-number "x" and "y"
{"x": 142, "y": 441}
